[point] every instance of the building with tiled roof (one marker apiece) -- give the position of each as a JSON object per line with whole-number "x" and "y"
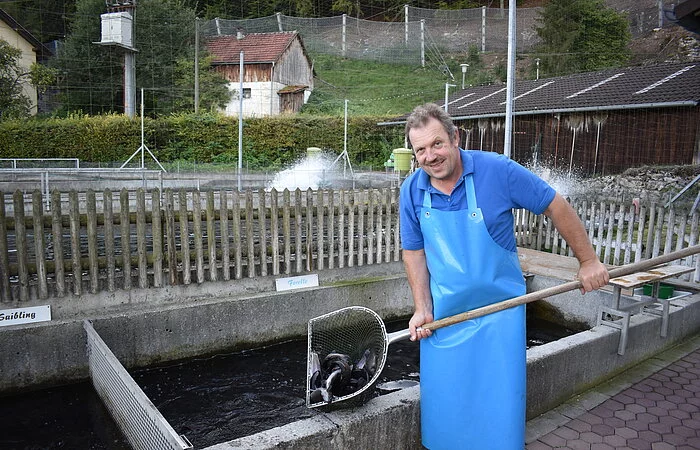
{"x": 277, "y": 75}
{"x": 591, "y": 123}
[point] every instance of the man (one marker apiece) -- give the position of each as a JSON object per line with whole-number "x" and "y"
{"x": 459, "y": 253}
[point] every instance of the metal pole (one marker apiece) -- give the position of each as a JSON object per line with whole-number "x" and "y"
{"x": 240, "y": 122}
{"x": 510, "y": 80}
{"x": 345, "y": 17}
{"x": 447, "y": 93}
{"x": 143, "y": 141}
{"x": 345, "y": 136}
{"x": 196, "y": 65}
{"x": 129, "y": 83}
{"x": 405, "y": 31}
{"x": 422, "y": 42}
{"x": 483, "y": 28}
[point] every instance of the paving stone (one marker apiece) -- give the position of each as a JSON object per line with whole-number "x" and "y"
{"x": 591, "y": 437}
{"x": 650, "y": 436}
{"x": 684, "y": 431}
{"x": 637, "y": 425}
{"x": 625, "y": 415}
{"x": 662, "y": 446}
{"x": 639, "y": 444}
{"x": 578, "y": 444}
{"x": 567, "y": 433}
{"x": 601, "y": 446}
{"x": 678, "y": 414}
{"x": 593, "y": 419}
{"x": 581, "y": 426}
{"x": 553, "y": 440}
{"x": 626, "y": 433}
{"x": 648, "y": 418}
{"x": 603, "y": 429}
{"x": 658, "y": 411}
{"x": 636, "y": 408}
{"x": 538, "y": 446}
{"x": 615, "y": 440}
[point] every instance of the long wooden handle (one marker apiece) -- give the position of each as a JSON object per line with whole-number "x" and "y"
{"x": 566, "y": 287}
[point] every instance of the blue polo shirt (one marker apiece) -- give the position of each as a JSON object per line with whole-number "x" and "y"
{"x": 501, "y": 184}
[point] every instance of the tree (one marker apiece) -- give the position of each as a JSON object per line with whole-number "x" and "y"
{"x": 581, "y": 36}
{"x": 13, "y": 102}
{"x": 214, "y": 94}
{"x": 93, "y": 74}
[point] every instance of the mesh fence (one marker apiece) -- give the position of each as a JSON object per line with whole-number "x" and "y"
{"x": 419, "y": 32}
{"x": 139, "y": 420}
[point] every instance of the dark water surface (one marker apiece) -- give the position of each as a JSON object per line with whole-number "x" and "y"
{"x": 209, "y": 400}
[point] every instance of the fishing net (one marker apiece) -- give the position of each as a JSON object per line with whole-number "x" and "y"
{"x": 346, "y": 353}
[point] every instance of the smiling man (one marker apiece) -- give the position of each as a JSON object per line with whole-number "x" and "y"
{"x": 459, "y": 253}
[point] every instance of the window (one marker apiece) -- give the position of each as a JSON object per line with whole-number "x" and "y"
{"x": 246, "y": 93}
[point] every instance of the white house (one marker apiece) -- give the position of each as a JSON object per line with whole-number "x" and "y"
{"x": 32, "y": 51}
{"x": 278, "y": 75}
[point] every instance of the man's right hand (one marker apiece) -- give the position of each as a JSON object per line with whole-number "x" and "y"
{"x": 418, "y": 320}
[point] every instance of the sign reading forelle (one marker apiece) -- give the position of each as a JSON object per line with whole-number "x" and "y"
{"x": 29, "y": 314}
{"x": 303, "y": 281}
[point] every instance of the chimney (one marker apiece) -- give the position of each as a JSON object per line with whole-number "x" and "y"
{"x": 239, "y": 35}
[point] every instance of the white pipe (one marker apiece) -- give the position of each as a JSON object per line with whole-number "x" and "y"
{"x": 240, "y": 121}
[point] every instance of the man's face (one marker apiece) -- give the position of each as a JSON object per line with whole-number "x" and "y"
{"x": 435, "y": 152}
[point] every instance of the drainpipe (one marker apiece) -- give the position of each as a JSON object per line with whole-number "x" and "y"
{"x": 272, "y": 88}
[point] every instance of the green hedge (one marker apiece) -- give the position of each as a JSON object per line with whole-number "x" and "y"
{"x": 268, "y": 143}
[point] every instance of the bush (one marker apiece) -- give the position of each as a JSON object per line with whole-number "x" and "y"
{"x": 268, "y": 143}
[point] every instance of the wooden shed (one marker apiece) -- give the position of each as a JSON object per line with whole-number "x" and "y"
{"x": 590, "y": 123}
{"x": 277, "y": 72}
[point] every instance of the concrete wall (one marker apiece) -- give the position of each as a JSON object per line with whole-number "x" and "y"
{"x": 147, "y": 326}
{"x": 555, "y": 372}
{"x": 159, "y": 326}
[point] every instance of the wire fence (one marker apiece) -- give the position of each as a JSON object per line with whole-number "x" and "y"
{"x": 420, "y": 34}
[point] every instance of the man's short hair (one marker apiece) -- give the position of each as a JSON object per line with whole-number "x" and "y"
{"x": 423, "y": 113}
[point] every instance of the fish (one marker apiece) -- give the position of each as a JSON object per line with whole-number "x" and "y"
{"x": 337, "y": 376}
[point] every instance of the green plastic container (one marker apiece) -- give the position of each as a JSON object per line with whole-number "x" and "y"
{"x": 402, "y": 159}
{"x": 665, "y": 290}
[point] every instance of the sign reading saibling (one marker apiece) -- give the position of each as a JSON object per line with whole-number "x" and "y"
{"x": 29, "y": 314}
{"x": 303, "y": 281}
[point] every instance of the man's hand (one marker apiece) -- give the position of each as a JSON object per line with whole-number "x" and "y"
{"x": 418, "y": 320}
{"x": 593, "y": 275}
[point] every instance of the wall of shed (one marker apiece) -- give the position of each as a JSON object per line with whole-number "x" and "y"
{"x": 294, "y": 68}
{"x": 628, "y": 138}
{"x": 264, "y": 99}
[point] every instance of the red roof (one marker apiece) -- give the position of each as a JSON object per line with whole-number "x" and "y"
{"x": 256, "y": 47}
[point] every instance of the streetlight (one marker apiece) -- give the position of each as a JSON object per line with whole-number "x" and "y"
{"x": 537, "y": 62}
{"x": 464, "y": 72}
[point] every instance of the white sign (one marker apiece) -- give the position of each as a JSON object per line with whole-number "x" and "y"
{"x": 30, "y": 314}
{"x": 303, "y": 281}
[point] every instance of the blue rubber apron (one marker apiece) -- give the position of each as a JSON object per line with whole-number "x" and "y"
{"x": 472, "y": 374}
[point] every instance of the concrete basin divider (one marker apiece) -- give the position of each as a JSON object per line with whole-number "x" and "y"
{"x": 556, "y": 372}
{"x": 158, "y": 325}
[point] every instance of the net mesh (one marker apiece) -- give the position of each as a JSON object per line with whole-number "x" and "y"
{"x": 138, "y": 419}
{"x": 350, "y": 331}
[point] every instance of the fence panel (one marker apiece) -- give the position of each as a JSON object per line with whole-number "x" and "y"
{"x": 89, "y": 246}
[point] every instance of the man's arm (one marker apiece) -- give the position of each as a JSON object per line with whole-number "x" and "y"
{"x": 592, "y": 273}
{"x": 419, "y": 281}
